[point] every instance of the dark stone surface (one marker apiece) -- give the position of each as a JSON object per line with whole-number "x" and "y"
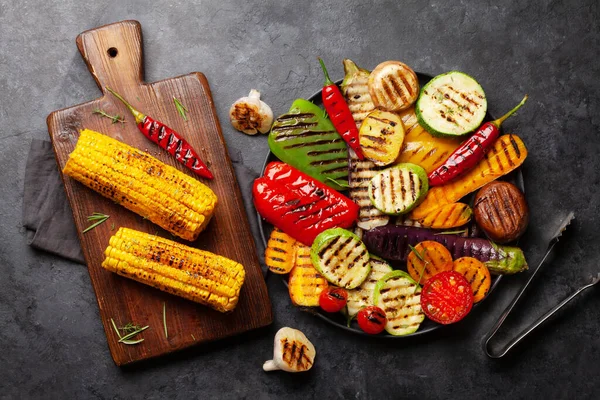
{"x": 51, "y": 340}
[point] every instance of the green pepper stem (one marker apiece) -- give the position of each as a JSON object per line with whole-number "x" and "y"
{"x": 500, "y": 120}
{"x": 139, "y": 117}
{"x": 328, "y": 81}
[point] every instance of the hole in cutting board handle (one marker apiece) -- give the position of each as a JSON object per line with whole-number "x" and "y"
{"x": 112, "y": 52}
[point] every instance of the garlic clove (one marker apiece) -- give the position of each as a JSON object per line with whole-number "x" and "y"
{"x": 292, "y": 352}
{"x": 251, "y": 115}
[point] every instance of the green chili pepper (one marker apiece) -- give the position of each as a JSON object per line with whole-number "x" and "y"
{"x": 307, "y": 140}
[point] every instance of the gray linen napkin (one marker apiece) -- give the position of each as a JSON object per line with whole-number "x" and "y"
{"x": 46, "y": 212}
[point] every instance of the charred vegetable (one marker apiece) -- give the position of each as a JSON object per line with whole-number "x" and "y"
{"x": 166, "y": 138}
{"x": 360, "y": 173}
{"x": 470, "y": 152}
{"x": 362, "y": 296}
{"x": 448, "y": 216}
{"x": 392, "y": 243}
{"x": 305, "y": 283}
{"x": 427, "y": 259}
{"x": 308, "y": 141}
{"x": 501, "y": 211}
{"x": 341, "y": 257}
{"x": 250, "y": 114}
{"x": 422, "y": 148}
{"x": 299, "y": 205}
{"x": 280, "y": 253}
{"x": 476, "y": 274}
{"x": 451, "y": 104}
{"x": 335, "y": 104}
{"x": 381, "y": 136}
{"x": 292, "y": 352}
{"x": 447, "y": 298}
{"x": 393, "y": 86}
{"x": 333, "y": 299}
{"x": 356, "y": 91}
{"x": 399, "y": 189}
{"x": 399, "y": 296}
{"x": 506, "y": 155}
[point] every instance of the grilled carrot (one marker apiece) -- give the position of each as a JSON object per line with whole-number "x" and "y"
{"x": 476, "y": 273}
{"x": 427, "y": 259}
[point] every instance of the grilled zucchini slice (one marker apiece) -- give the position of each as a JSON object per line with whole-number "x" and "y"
{"x": 399, "y": 189}
{"x": 341, "y": 257}
{"x": 381, "y": 136}
{"x": 451, "y": 104}
{"x": 362, "y": 296}
{"x": 399, "y": 296}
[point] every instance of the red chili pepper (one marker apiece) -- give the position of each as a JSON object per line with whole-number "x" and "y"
{"x": 299, "y": 205}
{"x": 339, "y": 113}
{"x": 471, "y": 151}
{"x": 167, "y": 139}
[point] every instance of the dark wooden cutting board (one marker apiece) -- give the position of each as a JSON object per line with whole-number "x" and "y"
{"x": 113, "y": 54}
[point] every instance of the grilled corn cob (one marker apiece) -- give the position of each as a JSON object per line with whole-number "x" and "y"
{"x": 196, "y": 275}
{"x": 171, "y": 199}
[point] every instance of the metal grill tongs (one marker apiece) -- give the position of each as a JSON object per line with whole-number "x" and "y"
{"x": 563, "y": 225}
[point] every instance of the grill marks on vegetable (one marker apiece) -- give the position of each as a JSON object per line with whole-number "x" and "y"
{"x": 359, "y": 176}
{"x": 344, "y": 260}
{"x": 362, "y": 296}
{"x": 400, "y": 298}
{"x": 305, "y": 282}
{"x": 298, "y": 131}
{"x": 395, "y": 190}
{"x": 295, "y": 354}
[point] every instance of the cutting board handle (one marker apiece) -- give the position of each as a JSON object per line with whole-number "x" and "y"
{"x": 113, "y": 54}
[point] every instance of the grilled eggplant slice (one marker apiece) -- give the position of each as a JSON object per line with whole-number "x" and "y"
{"x": 280, "y": 254}
{"x": 451, "y": 104}
{"x": 305, "y": 283}
{"x": 362, "y": 296}
{"x": 355, "y": 88}
{"x": 399, "y": 189}
{"x": 393, "y": 86}
{"x": 381, "y": 136}
{"x": 399, "y": 296}
{"x": 308, "y": 141}
{"x": 341, "y": 257}
{"x": 360, "y": 173}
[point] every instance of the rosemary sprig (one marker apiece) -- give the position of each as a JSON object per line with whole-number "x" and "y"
{"x": 98, "y": 218}
{"x": 180, "y": 108}
{"x": 342, "y": 184}
{"x": 115, "y": 118}
{"x": 422, "y": 258}
{"x": 165, "y": 319}
{"x": 130, "y": 327}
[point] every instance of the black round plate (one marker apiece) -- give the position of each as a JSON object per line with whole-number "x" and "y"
{"x": 338, "y": 319}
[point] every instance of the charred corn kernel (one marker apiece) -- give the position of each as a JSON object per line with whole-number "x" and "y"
{"x": 194, "y": 274}
{"x": 166, "y": 196}
{"x": 280, "y": 253}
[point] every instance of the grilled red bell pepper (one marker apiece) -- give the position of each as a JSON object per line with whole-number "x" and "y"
{"x": 167, "y": 139}
{"x": 471, "y": 151}
{"x": 339, "y": 113}
{"x": 299, "y": 205}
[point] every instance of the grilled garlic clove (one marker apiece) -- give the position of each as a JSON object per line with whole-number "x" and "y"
{"x": 251, "y": 115}
{"x": 293, "y": 352}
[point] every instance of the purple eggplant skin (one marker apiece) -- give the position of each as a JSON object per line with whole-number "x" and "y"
{"x": 391, "y": 243}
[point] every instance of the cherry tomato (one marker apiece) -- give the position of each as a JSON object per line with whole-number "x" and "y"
{"x": 333, "y": 299}
{"x": 447, "y": 297}
{"x": 372, "y": 320}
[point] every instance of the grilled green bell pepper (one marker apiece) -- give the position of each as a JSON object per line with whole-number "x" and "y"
{"x": 307, "y": 140}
